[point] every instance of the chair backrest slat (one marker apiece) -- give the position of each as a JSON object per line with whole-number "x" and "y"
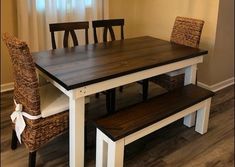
{"x": 108, "y": 26}
{"x": 69, "y": 28}
{"x": 112, "y": 34}
{"x": 66, "y": 39}
{"x": 187, "y": 31}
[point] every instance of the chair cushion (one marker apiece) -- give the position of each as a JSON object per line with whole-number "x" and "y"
{"x": 53, "y": 101}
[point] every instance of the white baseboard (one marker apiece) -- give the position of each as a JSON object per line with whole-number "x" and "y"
{"x": 7, "y": 87}
{"x": 218, "y": 86}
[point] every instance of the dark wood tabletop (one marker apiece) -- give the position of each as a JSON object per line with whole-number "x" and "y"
{"x": 83, "y": 65}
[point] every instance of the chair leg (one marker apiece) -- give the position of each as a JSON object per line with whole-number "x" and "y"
{"x": 86, "y": 138}
{"x": 97, "y": 95}
{"x": 121, "y": 89}
{"x": 13, "y": 140}
{"x": 145, "y": 89}
{"x": 32, "y": 159}
{"x": 111, "y": 100}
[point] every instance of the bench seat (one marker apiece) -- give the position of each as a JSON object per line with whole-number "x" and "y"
{"x": 139, "y": 116}
{"x": 117, "y": 130}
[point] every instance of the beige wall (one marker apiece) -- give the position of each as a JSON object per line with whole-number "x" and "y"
{"x": 156, "y": 18}
{"x": 125, "y": 9}
{"x": 223, "y": 59}
{"x": 8, "y": 24}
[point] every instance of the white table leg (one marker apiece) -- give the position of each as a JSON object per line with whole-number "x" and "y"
{"x": 203, "y": 118}
{"x": 190, "y": 77}
{"x": 76, "y": 131}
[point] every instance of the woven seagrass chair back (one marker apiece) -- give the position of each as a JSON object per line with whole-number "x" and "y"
{"x": 26, "y": 87}
{"x": 187, "y": 31}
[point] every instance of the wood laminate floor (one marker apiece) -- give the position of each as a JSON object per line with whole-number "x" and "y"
{"x": 172, "y": 146}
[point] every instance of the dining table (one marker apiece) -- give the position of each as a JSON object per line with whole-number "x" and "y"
{"x": 81, "y": 71}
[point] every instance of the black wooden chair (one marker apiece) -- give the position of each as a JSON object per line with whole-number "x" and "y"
{"x": 68, "y": 28}
{"x": 108, "y": 25}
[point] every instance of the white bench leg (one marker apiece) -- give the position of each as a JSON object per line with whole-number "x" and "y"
{"x": 190, "y": 77}
{"x": 189, "y": 120}
{"x": 101, "y": 150}
{"x": 203, "y": 118}
{"x": 116, "y": 153}
{"x": 108, "y": 152}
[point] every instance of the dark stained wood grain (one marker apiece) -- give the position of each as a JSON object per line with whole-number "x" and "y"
{"x": 139, "y": 116}
{"x": 83, "y": 65}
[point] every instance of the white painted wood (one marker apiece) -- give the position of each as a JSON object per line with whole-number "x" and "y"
{"x": 141, "y": 133}
{"x": 116, "y": 82}
{"x": 116, "y": 153}
{"x": 76, "y": 131}
{"x": 190, "y": 74}
{"x": 189, "y": 120}
{"x": 203, "y": 118}
{"x": 108, "y": 152}
{"x": 176, "y": 72}
{"x": 101, "y": 150}
{"x": 190, "y": 77}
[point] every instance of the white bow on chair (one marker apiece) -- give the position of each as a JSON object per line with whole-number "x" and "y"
{"x": 17, "y": 118}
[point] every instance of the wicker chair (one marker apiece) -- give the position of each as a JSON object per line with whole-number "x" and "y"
{"x": 68, "y": 28}
{"x": 47, "y": 102}
{"x": 108, "y": 25}
{"x": 186, "y": 31}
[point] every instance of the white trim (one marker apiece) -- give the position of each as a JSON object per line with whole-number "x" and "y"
{"x": 218, "y": 86}
{"x": 7, "y": 87}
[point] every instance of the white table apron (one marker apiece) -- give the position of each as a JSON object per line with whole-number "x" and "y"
{"x": 77, "y": 101}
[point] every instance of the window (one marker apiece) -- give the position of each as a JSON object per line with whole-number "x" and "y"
{"x": 64, "y": 5}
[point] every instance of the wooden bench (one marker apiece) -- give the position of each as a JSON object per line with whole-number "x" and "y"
{"x": 117, "y": 130}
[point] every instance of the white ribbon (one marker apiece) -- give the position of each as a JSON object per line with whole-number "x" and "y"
{"x": 17, "y": 118}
